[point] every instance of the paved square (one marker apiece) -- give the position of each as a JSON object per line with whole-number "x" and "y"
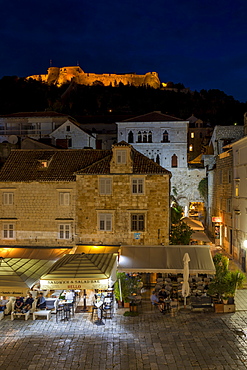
{"x": 151, "y": 341}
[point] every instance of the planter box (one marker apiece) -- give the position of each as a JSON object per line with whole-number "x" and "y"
{"x": 126, "y": 304}
{"x": 229, "y": 308}
{"x": 219, "y": 307}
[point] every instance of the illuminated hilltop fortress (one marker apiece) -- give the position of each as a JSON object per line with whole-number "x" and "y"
{"x": 64, "y": 75}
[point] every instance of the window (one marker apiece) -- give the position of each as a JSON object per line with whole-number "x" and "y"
{"x": 8, "y": 199}
{"x": 228, "y": 205}
{"x": 137, "y": 222}
{"x": 44, "y": 164}
{"x": 191, "y": 148}
{"x": 69, "y": 143}
{"x": 229, "y": 176}
{"x": 137, "y": 186}
{"x": 8, "y": 231}
{"x": 64, "y": 231}
{"x": 237, "y": 190}
{"x": 105, "y": 221}
{"x": 105, "y": 186}
{"x": 130, "y": 137}
{"x": 165, "y": 137}
{"x": 174, "y": 160}
{"x": 145, "y": 137}
{"x": 67, "y": 128}
{"x": 192, "y": 135}
{"x": 150, "y": 140}
{"x": 121, "y": 156}
{"x": 64, "y": 199}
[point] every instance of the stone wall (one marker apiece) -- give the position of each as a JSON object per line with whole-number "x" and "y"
{"x": 66, "y": 74}
{"x": 154, "y": 203}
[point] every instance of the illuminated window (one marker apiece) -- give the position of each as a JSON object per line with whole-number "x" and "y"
{"x": 192, "y": 135}
{"x": 191, "y": 148}
{"x": 8, "y": 231}
{"x": 137, "y": 186}
{"x": 105, "y": 221}
{"x": 137, "y": 222}
{"x": 237, "y": 190}
{"x": 105, "y": 186}
{"x": 64, "y": 231}
{"x": 8, "y": 199}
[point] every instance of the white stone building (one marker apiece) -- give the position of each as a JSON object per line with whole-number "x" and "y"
{"x": 163, "y": 139}
{"x": 76, "y": 137}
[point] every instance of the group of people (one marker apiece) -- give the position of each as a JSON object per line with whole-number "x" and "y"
{"x": 161, "y": 299}
{"x": 24, "y": 305}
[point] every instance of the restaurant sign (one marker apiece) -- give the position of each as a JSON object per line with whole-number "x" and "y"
{"x": 216, "y": 219}
{"x": 76, "y": 284}
{"x": 13, "y": 291}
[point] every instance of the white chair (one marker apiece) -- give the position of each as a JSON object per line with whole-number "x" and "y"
{"x": 9, "y": 305}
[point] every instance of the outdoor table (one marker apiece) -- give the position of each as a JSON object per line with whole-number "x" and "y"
{"x": 134, "y": 300}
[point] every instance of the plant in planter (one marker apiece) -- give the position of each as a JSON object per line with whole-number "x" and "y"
{"x": 125, "y": 286}
{"x": 225, "y": 282}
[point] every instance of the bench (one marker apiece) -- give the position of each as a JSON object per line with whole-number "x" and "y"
{"x": 203, "y": 302}
{"x": 19, "y": 314}
{"x": 42, "y": 313}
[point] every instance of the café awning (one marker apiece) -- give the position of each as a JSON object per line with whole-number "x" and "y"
{"x": 200, "y": 236}
{"x": 81, "y": 271}
{"x": 194, "y": 224}
{"x": 165, "y": 259}
{"x": 22, "y": 272}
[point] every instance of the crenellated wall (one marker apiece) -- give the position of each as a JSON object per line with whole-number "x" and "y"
{"x": 64, "y": 75}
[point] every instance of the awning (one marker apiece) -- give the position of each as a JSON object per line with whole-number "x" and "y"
{"x": 22, "y": 272}
{"x": 194, "y": 224}
{"x": 81, "y": 271}
{"x": 165, "y": 259}
{"x": 93, "y": 249}
{"x": 200, "y": 236}
{"x": 34, "y": 253}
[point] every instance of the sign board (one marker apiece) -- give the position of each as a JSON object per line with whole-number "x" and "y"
{"x": 13, "y": 291}
{"x": 137, "y": 236}
{"x": 216, "y": 219}
{"x": 76, "y": 284}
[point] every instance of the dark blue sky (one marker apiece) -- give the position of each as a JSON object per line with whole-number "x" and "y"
{"x": 201, "y": 44}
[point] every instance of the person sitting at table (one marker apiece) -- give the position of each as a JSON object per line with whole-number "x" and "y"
{"x": 41, "y": 302}
{"x": 19, "y": 302}
{"x": 155, "y": 300}
{"x": 28, "y": 303}
{"x": 3, "y": 303}
{"x": 162, "y": 295}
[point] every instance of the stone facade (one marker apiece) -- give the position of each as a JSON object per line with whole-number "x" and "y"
{"x": 72, "y": 197}
{"x": 64, "y": 75}
{"x": 163, "y": 139}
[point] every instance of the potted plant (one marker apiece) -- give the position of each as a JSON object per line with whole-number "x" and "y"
{"x": 225, "y": 283}
{"x": 125, "y": 286}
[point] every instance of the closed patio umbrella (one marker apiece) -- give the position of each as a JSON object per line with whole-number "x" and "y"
{"x": 186, "y": 285}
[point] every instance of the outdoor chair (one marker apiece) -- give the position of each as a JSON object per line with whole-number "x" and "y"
{"x": 107, "y": 308}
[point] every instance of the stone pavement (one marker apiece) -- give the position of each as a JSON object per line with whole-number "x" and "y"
{"x": 151, "y": 341}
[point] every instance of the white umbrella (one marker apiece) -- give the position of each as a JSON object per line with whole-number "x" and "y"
{"x": 186, "y": 285}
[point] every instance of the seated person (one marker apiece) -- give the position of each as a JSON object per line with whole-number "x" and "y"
{"x": 41, "y": 302}
{"x": 28, "y": 303}
{"x": 162, "y": 295}
{"x": 154, "y": 299}
{"x": 3, "y": 303}
{"x": 19, "y": 302}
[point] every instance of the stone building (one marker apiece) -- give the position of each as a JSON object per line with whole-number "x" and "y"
{"x": 61, "y": 198}
{"x": 163, "y": 139}
{"x": 64, "y": 75}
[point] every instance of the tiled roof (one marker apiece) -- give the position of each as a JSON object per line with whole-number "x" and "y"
{"x": 35, "y": 114}
{"x": 25, "y": 165}
{"x": 63, "y": 165}
{"x": 153, "y": 117}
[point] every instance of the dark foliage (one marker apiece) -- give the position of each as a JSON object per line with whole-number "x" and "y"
{"x": 212, "y": 106}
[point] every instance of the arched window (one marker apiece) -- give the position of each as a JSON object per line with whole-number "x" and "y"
{"x": 174, "y": 160}
{"x": 165, "y": 137}
{"x": 139, "y": 137}
{"x": 150, "y": 137}
{"x": 145, "y": 137}
{"x": 130, "y": 137}
{"x": 158, "y": 159}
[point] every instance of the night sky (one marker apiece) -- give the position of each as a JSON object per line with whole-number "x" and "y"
{"x": 201, "y": 44}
